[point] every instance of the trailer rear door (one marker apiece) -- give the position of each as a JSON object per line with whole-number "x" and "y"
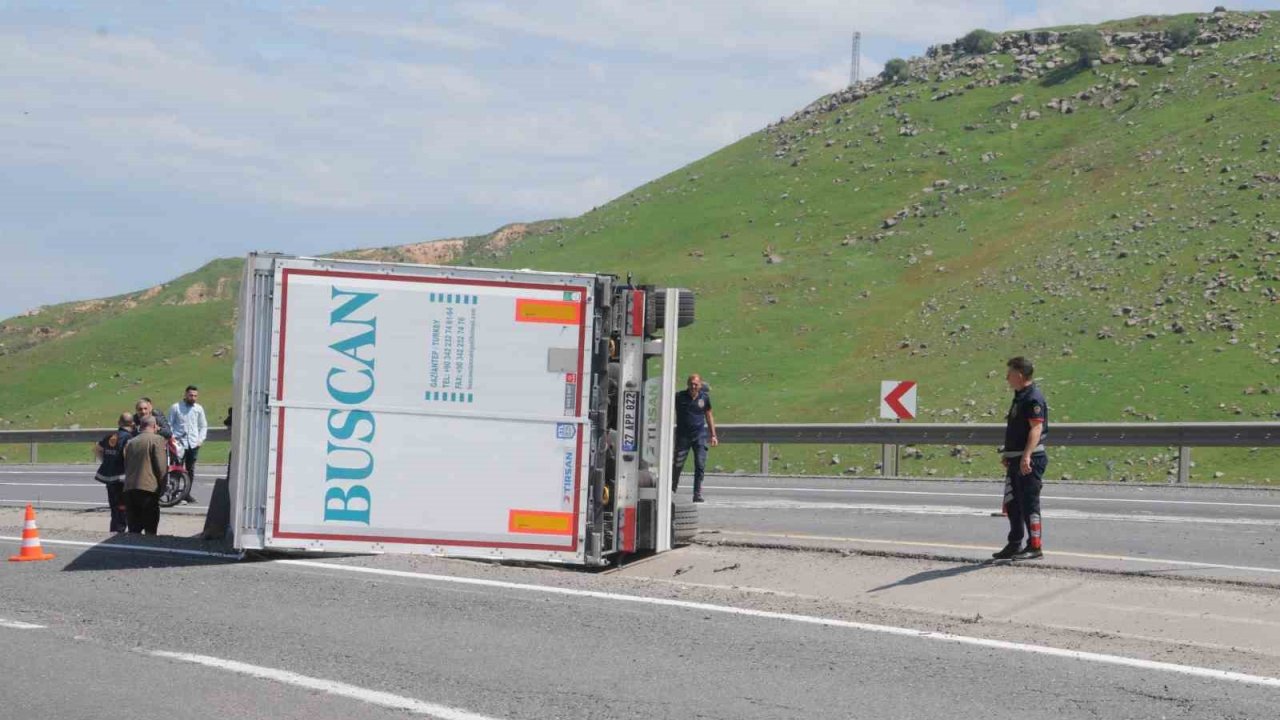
{"x": 429, "y": 410}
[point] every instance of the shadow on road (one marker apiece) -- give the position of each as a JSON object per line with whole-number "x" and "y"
{"x": 136, "y": 552}
{"x": 930, "y": 575}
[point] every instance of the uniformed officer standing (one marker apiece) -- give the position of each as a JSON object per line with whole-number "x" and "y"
{"x": 695, "y": 430}
{"x": 1024, "y": 460}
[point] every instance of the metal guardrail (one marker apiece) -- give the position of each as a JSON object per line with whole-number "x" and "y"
{"x": 36, "y": 438}
{"x": 890, "y": 436}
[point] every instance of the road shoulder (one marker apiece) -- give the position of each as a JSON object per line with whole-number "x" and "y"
{"x": 1206, "y": 624}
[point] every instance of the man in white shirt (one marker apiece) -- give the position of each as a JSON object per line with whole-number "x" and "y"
{"x": 190, "y": 427}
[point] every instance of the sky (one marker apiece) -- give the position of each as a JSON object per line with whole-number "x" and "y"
{"x": 139, "y": 140}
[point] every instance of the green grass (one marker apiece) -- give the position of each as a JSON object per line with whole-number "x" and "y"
{"x": 103, "y": 359}
{"x": 1036, "y": 257}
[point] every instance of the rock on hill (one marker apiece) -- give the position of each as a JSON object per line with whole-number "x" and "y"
{"x": 1116, "y": 221}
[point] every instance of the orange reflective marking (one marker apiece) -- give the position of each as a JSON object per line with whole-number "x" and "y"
{"x": 538, "y": 522}
{"x": 556, "y": 312}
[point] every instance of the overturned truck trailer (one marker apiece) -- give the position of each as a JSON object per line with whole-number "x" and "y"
{"x": 517, "y": 415}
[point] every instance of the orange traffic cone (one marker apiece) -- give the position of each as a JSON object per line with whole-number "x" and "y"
{"x": 31, "y": 549}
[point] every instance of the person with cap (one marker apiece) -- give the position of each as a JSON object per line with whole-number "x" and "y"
{"x": 1025, "y": 460}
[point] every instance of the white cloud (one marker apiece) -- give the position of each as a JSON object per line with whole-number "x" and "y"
{"x": 779, "y": 29}
{"x": 774, "y": 28}
{"x": 397, "y": 122}
{"x": 422, "y": 82}
{"x": 179, "y": 117}
{"x": 170, "y": 114}
{"x": 543, "y": 198}
{"x": 167, "y": 131}
{"x": 1076, "y": 12}
{"x": 729, "y": 126}
{"x": 830, "y": 78}
{"x": 586, "y": 99}
{"x": 836, "y": 76}
{"x": 419, "y": 31}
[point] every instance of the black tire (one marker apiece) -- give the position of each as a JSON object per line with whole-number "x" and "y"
{"x": 176, "y": 487}
{"x": 684, "y": 523}
{"x": 656, "y": 312}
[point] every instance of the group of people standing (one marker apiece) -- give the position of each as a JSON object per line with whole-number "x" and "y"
{"x": 135, "y": 459}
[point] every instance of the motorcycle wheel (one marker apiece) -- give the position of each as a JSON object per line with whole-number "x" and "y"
{"x": 176, "y": 487}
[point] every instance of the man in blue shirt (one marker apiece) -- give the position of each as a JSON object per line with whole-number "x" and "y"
{"x": 190, "y": 427}
{"x": 695, "y": 431}
{"x": 1024, "y": 458}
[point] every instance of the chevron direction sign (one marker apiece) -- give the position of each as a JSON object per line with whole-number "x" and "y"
{"x": 898, "y": 400}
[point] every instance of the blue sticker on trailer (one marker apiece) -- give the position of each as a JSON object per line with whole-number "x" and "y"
{"x": 566, "y": 431}
{"x": 566, "y": 485}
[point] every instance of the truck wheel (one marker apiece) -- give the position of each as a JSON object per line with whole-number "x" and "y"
{"x": 684, "y": 523}
{"x": 656, "y": 312}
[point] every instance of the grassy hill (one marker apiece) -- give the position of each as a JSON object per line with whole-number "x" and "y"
{"x": 81, "y": 364}
{"x": 1118, "y": 223}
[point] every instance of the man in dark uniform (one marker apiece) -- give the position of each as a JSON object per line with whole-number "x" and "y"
{"x": 110, "y": 451}
{"x": 1024, "y": 461}
{"x": 695, "y": 430}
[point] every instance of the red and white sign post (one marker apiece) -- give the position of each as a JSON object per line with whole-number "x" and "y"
{"x": 898, "y": 400}
{"x": 897, "y": 403}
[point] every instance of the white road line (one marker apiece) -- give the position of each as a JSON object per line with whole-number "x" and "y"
{"x": 85, "y": 471}
{"x": 66, "y": 485}
{"x": 47, "y": 472}
{"x": 961, "y": 511}
{"x": 4, "y": 501}
{"x": 18, "y": 625}
{"x": 331, "y": 687}
{"x": 120, "y": 546}
{"x": 956, "y": 546}
{"x": 1189, "y": 670}
{"x": 987, "y": 496}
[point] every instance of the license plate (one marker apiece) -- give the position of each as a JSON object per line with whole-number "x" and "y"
{"x": 630, "y": 419}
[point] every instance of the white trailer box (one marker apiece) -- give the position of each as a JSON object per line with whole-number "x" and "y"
{"x": 406, "y": 408}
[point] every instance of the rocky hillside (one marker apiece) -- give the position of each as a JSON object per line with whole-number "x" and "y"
{"x": 444, "y": 252}
{"x": 1114, "y": 218}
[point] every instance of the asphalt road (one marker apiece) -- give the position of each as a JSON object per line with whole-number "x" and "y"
{"x": 70, "y": 487}
{"x": 108, "y": 633}
{"x": 1226, "y": 533}
{"x": 1215, "y": 532}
